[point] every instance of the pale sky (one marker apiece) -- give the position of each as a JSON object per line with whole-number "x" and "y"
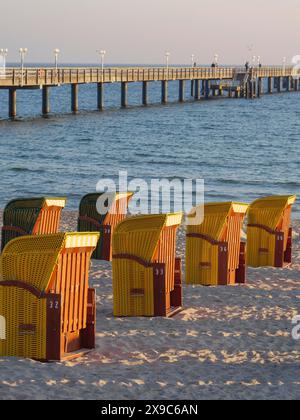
{"x": 140, "y": 31}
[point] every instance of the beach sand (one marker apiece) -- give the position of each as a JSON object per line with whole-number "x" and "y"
{"x": 228, "y": 343}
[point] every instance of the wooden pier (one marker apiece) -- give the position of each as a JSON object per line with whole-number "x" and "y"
{"x": 205, "y": 82}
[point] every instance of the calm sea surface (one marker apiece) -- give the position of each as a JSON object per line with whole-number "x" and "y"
{"x": 242, "y": 149}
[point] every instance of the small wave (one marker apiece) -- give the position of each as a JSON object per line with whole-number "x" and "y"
{"x": 19, "y": 169}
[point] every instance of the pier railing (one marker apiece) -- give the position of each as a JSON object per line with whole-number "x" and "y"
{"x": 52, "y": 76}
{"x": 36, "y": 77}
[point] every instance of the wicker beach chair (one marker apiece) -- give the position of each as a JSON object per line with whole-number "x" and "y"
{"x": 45, "y": 299}
{"x": 32, "y": 216}
{"x": 215, "y": 254}
{"x": 146, "y": 273}
{"x": 270, "y": 232}
{"x": 91, "y": 221}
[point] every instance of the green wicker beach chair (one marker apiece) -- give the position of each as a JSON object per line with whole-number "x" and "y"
{"x": 91, "y": 221}
{"x": 31, "y": 216}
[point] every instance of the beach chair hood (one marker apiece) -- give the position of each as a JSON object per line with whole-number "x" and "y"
{"x": 139, "y": 235}
{"x": 270, "y": 210}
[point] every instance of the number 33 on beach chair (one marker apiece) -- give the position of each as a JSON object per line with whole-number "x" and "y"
{"x": 90, "y": 220}
{"x": 45, "y": 299}
{"x": 146, "y": 274}
{"x": 214, "y": 252}
{"x": 270, "y": 232}
{"x": 33, "y": 216}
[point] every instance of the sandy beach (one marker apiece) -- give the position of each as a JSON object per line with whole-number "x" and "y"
{"x": 228, "y": 343}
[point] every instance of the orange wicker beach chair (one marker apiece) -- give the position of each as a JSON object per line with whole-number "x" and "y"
{"x": 215, "y": 254}
{"x": 146, "y": 274}
{"x": 91, "y": 221}
{"x": 33, "y": 216}
{"x": 270, "y": 232}
{"x": 45, "y": 299}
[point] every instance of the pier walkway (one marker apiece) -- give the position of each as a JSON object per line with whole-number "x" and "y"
{"x": 205, "y": 82}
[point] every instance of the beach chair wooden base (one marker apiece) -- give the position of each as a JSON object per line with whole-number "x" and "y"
{"x": 289, "y": 249}
{"x": 167, "y": 304}
{"x": 66, "y": 346}
{"x": 232, "y": 277}
{"x": 105, "y": 251}
{"x": 241, "y": 272}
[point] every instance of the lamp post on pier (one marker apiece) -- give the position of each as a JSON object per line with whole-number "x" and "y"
{"x": 3, "y": 54}
{"x": 216, "y": 60}
{"x": 102, "y": 56}
{"x": 284, "y": 65}
{"x": 168, "y": 55}
{"x": 259, "y": 61}
{"x": 23, "y": 52}
{"x": 193, "y": 60}
{"x": 56, "y": 55}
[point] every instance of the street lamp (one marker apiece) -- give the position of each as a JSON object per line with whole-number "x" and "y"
{"x": 23, "y": 52}
{"x": 284, "y": 64}
{"x": 102, "y": 55}
{"x": 193, "y": 60}
{"x": 3, "y": 54}
{"x": 168, "y": 55}
{"x": 259, "y": 60}
{"x": 56, "y": 55}
{"x": 216, "y": 59}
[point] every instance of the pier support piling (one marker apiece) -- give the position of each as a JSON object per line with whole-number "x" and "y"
{"x": 74, "y": 97}
{"x": 193, "y": 88}
{"x": 45, "y": 100}
{"x": 279, "y": 84}
{"x": 181, "y": 90}
{"x": 259, "y": 87}
{"x": 124, "y": 94}
{"x": 145, "y": 93}
{"x": 270, "y": 84}
{"x": 164, "y": 91}
{"x": 206, "y": 89}
{"x": 100, "y": 96}
{"x": 12, "y": 102}
{"x": 197, "y": 90}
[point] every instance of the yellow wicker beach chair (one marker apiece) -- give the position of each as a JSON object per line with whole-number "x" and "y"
{"x": 45, "y": 299}
{"x": 270, "y": 232}
{"x": 215, "y": 254}
{"x": 146, "y": 274}
{"x": 91, "y": 221}
{"x": 32, "y": 216}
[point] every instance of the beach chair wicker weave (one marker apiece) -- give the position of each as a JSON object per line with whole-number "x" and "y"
{"x": 91, "y": 221}
{"x": 269, "y": 234}
{"x": 45, "y": 299}
{"x": 146, "y": 273}
{"x": 215, "y": 254}
{"x": 32, "y": 216}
